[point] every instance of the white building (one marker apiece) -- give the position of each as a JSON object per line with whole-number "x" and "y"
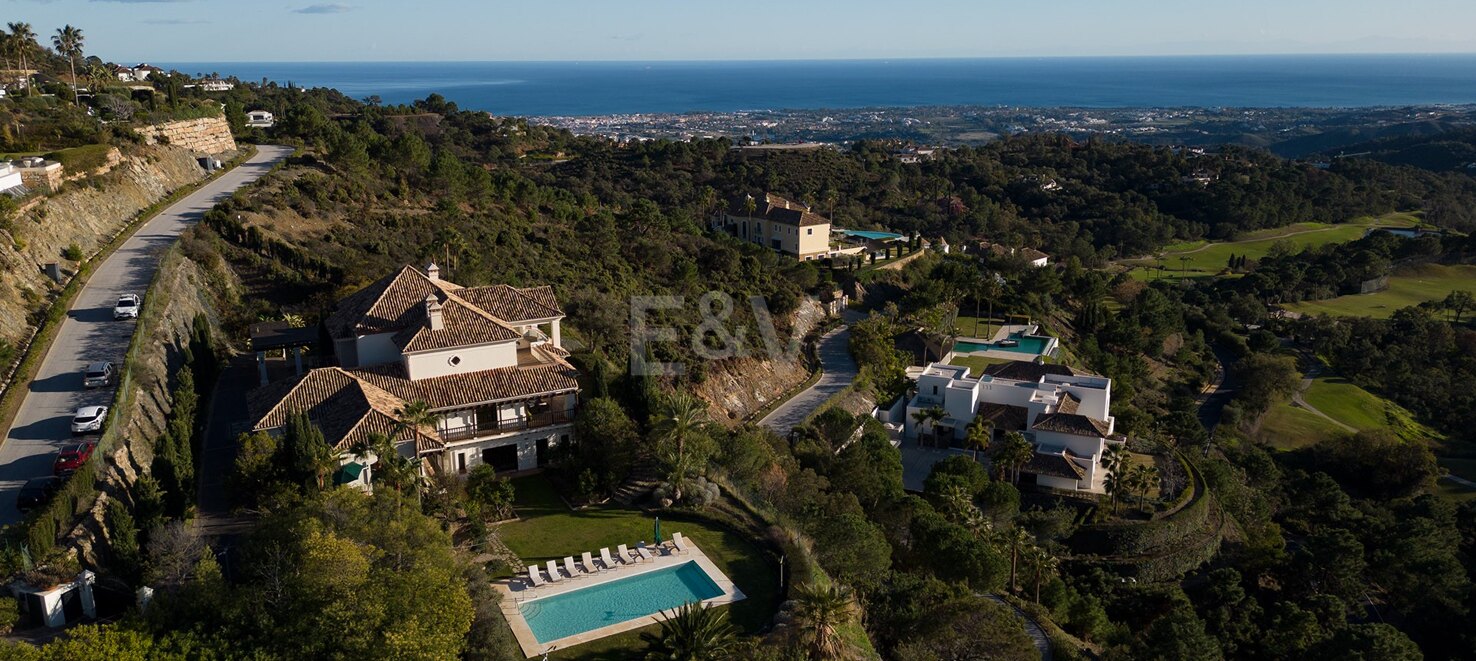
{"x": 486, "y": 360}
{"x": 10, "y": 180}
{"x": 260, "y": 119}
{"x": 1062, "y": 412}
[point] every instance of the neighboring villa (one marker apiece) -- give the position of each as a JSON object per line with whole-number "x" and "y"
{"x": 1062, "y": 412}
{"x": 487, "y": 361}
{"x": 260, "y": 119}
{"x": 779, "y": 223}
{"x": 1031, "y": 256}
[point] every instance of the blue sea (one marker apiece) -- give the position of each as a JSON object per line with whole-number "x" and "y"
{"x": 605, "y": 88}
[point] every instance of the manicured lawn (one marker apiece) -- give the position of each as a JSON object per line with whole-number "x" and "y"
{"x": 549, "y": 530}
{"x": 1356, "y": 407}
{"x": 1452, "y": 491}
{"x": 986, "y": 327}
{"x": 1287, "y": 427}
{"x": 1208, "y": 258}
{"x": 1460, "y": 467}
{"x": 1430, "y": 282}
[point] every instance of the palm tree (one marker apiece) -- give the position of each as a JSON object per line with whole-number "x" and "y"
{"x": 819, "y": 613}
{"x": 682, "y": 418}
{"x": 977, "y": 438}
{"x": 1014, "y": 454}
{"x": 985, "y": 287}
{"x": 1018, "y": 538}
{"x": 98, "y": 77}
{"x": 1042, "y": 564}
{"x": 22, "y": 37}
{"x": 415, "y": 416}
{"x": 68, "y": 43}
{"x": 691, "y": 633}
{"x": 1115, "y": 460}
{"x": 1141, "y": 478}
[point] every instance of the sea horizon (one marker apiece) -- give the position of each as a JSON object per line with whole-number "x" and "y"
{"x": 610, "y": 87}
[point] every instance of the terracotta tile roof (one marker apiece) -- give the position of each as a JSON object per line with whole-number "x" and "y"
{"x": 1055, "y": 464}
{"x": 396, "y": 302}
{"x": 1006, "y": 417}
{"x": 1071, "y": 423}
{"x": 513, "y": 304}
{"x": 1031, "y": 254}
{"x": 458, "y": 390}
{"x": 384, "y": 306}
{"x": 778, "y": 209}
{"x": 1069, "y": 403}
{"x": 348, "y": 405}
{"x": 462, "y": 325}
{"x": 346, "y": 409}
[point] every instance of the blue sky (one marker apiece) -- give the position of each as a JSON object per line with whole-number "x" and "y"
{"x": 274, "y": 30}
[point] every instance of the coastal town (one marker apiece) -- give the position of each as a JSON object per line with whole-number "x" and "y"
{"x": 292, "y": 374}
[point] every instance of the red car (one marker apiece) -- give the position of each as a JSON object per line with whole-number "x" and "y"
{"x": 72, "y": 458}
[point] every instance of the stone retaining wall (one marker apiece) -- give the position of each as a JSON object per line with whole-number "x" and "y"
{"x": 210, "y": 135}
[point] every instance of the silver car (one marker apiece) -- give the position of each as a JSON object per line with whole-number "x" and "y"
{"x": 89, "y": 419}
{"x": 127, "y": 307}
{"x": 98, "y": 375}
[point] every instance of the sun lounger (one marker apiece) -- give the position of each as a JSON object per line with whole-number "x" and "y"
{"x": 679, "y": 542}
{"x": 534, "y": 576}
{"x": 605, "y": 558}
{"x": 587, "y": 561}
{"x": 569, "y": 566}
{"x": 624, "y": 553}
{"x": 553, "y": 572}
{"x": 645, "y": 554}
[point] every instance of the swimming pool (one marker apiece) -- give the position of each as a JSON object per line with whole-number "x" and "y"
{"x": 1033, "y": 345}
{"x": 572, "y": 613}
{"x": 875, "y": 236}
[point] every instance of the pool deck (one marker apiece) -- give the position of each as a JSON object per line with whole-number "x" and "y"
{"x": 517, "y": 590}
{"x": 1004, "y": 331}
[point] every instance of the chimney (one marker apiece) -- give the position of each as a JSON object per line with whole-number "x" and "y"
{"x": 433, "y": 272}
{"x": 433, "y": 311}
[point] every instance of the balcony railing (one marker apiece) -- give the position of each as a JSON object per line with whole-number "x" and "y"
{"x": 531, "y": 421}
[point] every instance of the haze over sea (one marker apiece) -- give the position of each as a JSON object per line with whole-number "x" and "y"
{"x": 606, "y": 88}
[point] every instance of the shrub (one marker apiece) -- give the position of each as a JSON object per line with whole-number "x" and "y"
{"x": 81, "y": 159}
{"x": 73, "y": 252}
{"x": 9, "y": 615}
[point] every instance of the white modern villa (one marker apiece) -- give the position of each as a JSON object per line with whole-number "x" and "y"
{"x": 1062, "y": 412}
{"x": 486, "y": 361}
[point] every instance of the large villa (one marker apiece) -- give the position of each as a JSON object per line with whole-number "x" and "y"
{"x": 486, "y": 361}
{"x": 779, "y": 223}
{"x": 1062, "y": 412}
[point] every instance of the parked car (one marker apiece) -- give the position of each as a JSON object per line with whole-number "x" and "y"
{"x": 71, "y": 458}
{"x": 98, "y": 375}
{"x": 89, "y": 419}
{"x": 37, "y": 492}
{"x": 127, "y": 306}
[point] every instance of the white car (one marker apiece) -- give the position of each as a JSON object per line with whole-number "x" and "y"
{"x": 127, "y": 307}
{"x": 89, "y": 419}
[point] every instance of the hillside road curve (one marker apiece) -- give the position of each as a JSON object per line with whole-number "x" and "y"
{"x": 89, "y": 333}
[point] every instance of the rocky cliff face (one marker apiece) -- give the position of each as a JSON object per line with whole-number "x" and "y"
{"x": 89, "y": 214}
{"x": 736, "y": 388}
{"x": 209, "y": 135}
{"x": 183, "y": 289}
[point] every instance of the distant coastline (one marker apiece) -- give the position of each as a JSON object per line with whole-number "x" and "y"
{"x": 607, "y": 88}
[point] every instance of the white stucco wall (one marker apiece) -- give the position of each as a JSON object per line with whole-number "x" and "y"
{"x": 377, "y": 349}
{"x": 431, "y": 364}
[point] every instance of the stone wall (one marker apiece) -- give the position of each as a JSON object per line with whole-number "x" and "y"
{"x": 210, "y": 135}
{"x": 44, "y": 178}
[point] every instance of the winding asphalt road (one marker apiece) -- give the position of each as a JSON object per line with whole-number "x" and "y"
{"x": 89, "y": 333}
{"x": 837, "y": 370}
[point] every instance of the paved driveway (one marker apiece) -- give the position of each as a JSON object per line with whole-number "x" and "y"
{"x": 838, "y": 370}
{"x": 89, "y": 333}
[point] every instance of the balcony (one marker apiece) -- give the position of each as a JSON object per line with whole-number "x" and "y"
{"x": 520, "y": 423}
